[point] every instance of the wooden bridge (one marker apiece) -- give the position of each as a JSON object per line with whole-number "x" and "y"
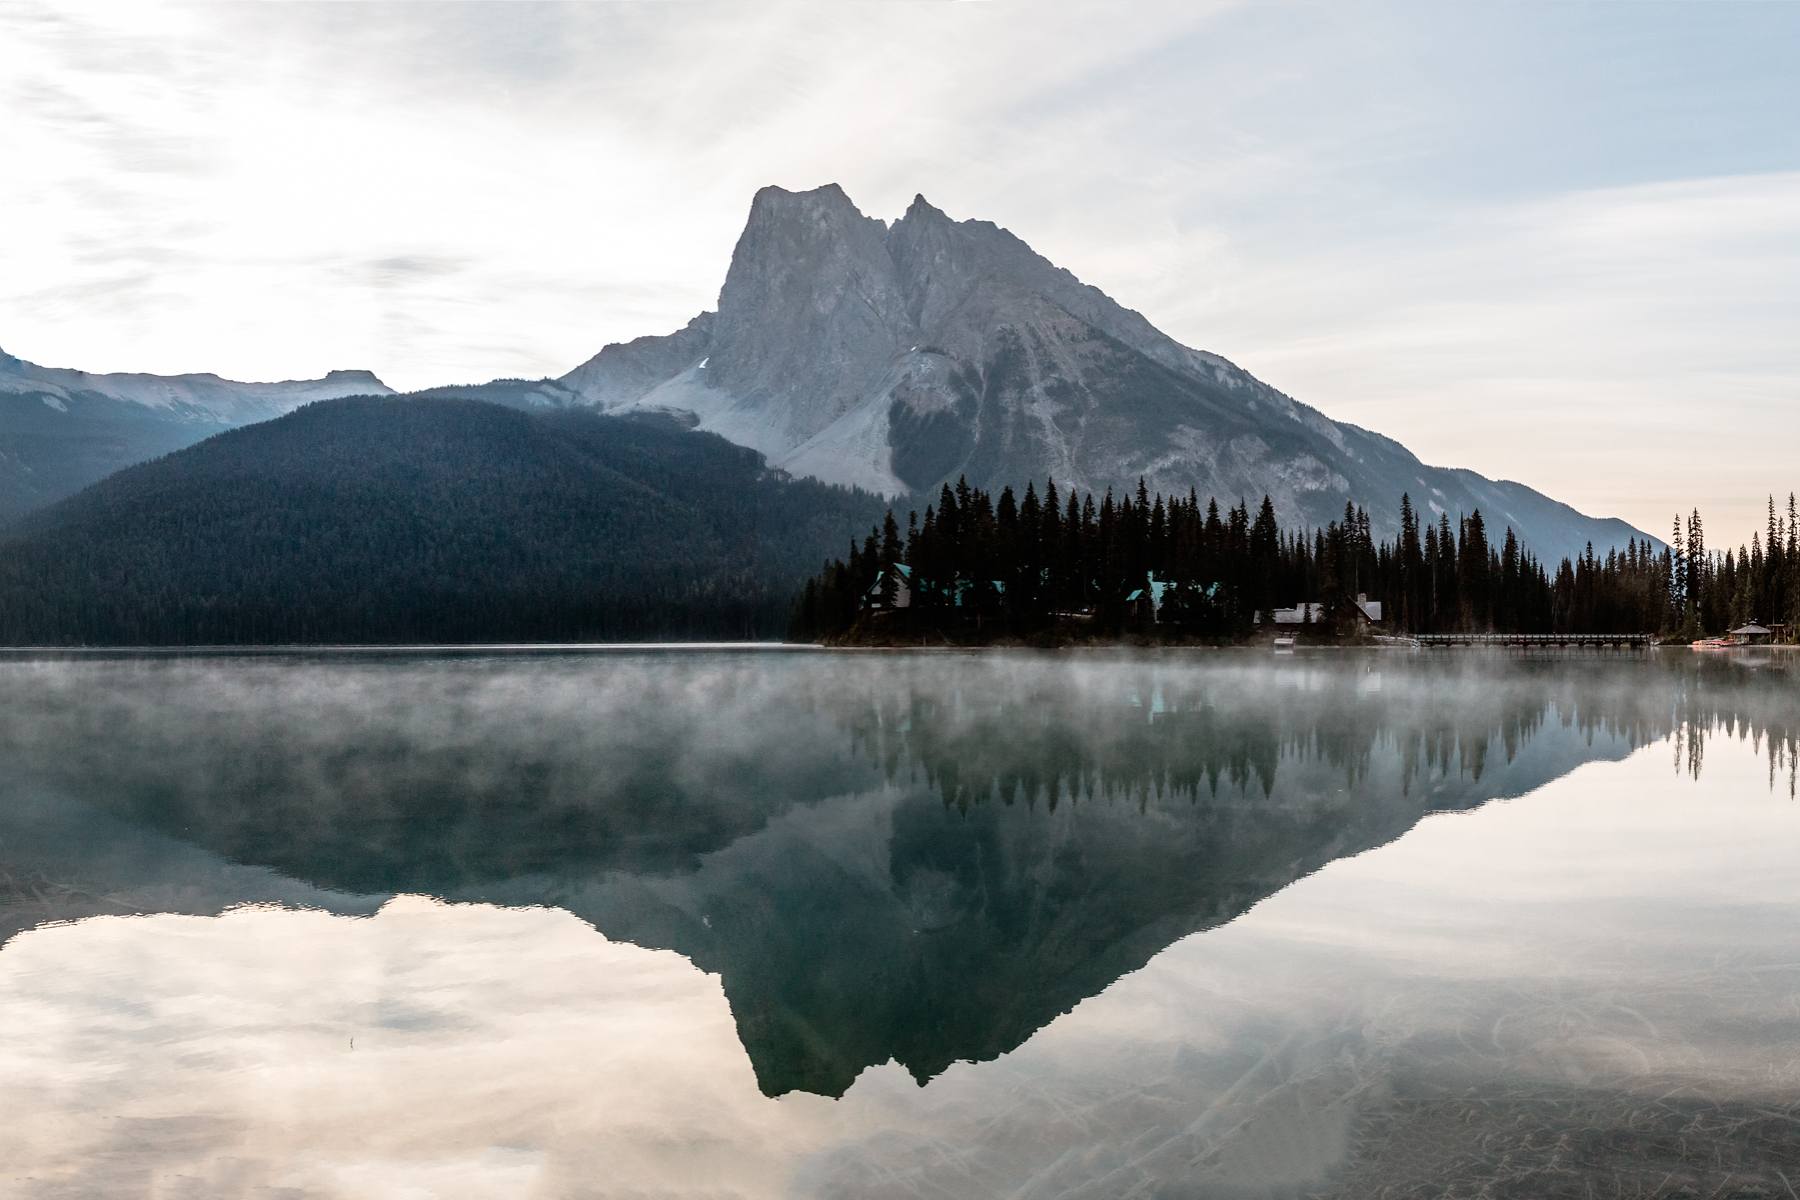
{"x": 1605, "y": 641}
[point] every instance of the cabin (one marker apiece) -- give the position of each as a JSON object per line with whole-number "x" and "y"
{"x": 1368, "y": 612}
{"x": 902, "y": 588}
{"x": 961, "y": 592}
{"x": 1751, "y": 635}
{"x": 1300, "y": 614}
{"x": 907, "y": 586}
{"x": 1146, "y": 603}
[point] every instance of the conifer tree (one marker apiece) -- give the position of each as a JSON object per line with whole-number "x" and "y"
{"x": 890, "y": 560}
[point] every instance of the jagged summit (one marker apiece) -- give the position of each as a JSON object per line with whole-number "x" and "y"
{"x": 922, "y": 209}
{"x": 900, "y": 356}
{"x": 825, "y": 207}
{"x": 826, "y": 195}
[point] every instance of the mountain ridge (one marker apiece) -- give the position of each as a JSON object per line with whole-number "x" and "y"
{"x": 62, "y": 429}
{"x": 194, "y": 393}
{"x": 896, "y": 357}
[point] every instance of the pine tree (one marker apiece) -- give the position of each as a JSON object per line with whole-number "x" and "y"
{"x": 890, "y": 560}
{"x": 1409, "y": 567}
{"x": 1265, "y": 555}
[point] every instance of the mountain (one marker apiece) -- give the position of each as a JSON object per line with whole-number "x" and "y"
{"x": 390, "y": 519}
{"x": 898, "y": 357}
{"x": 61, "y": 430}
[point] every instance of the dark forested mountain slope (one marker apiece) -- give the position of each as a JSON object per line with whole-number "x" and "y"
{"x": 383, "y": 519}
{"x": 61, "y": 429}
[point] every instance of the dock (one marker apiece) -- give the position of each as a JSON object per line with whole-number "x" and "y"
{"x": 1601, "y": 641}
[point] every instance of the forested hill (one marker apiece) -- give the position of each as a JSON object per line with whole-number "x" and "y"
{"x": 382, "y": 519}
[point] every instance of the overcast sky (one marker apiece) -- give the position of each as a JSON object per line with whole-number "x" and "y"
{"x": 1558, "y": 244}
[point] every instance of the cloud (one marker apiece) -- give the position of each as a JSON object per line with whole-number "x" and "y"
{"x": 1580, "y": 342}
{"x": 400, "y": 270}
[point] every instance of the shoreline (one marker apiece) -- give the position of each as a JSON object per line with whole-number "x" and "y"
{"x": 524, "y": 649}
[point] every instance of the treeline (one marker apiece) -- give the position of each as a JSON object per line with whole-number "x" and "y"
{"x": 1708, "y": 591}
{"x": 1020, "y": 565}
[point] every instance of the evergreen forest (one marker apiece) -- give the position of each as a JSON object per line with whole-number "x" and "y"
{"x": 980, "y": 567}
{"x": 390, "y": 520}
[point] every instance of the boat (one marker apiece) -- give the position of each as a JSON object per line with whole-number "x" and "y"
{"x": 1284, "y": 644}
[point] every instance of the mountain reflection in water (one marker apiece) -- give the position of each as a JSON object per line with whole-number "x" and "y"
{"x": 927, "y": 859}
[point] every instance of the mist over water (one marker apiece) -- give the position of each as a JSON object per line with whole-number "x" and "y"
{"x": 812, "y": 923}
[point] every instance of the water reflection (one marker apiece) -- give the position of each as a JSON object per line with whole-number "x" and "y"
{"x": 917, "y": 860}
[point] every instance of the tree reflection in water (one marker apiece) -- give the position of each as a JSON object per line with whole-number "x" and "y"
{"x": 915, "y": 857}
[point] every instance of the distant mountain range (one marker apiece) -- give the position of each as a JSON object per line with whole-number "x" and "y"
{"x": 61, "y": 430}
{"x": 889, "y": 357}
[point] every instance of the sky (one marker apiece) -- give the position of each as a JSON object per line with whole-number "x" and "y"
{"x": 1552, "y": 243}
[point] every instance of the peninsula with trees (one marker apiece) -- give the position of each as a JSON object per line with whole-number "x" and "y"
{"x": 1043, "y": 567}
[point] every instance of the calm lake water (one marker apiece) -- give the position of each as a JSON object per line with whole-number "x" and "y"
{"x": 791, "y": 923}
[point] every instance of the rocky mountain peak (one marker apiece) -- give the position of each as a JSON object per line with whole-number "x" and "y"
{"x": 811, "y": 310}
{"x": 922, "y": 209}
{"x": 804, "y": 237}
{"x": 932, "y": 261}
{"x": 826, "y": 207}
{"x": 897, "y": 357}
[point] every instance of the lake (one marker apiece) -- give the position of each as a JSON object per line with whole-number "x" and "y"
{"x": 770, "y": 923}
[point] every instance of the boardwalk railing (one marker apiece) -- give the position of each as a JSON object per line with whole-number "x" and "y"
{"x": 1605, "y": 640}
